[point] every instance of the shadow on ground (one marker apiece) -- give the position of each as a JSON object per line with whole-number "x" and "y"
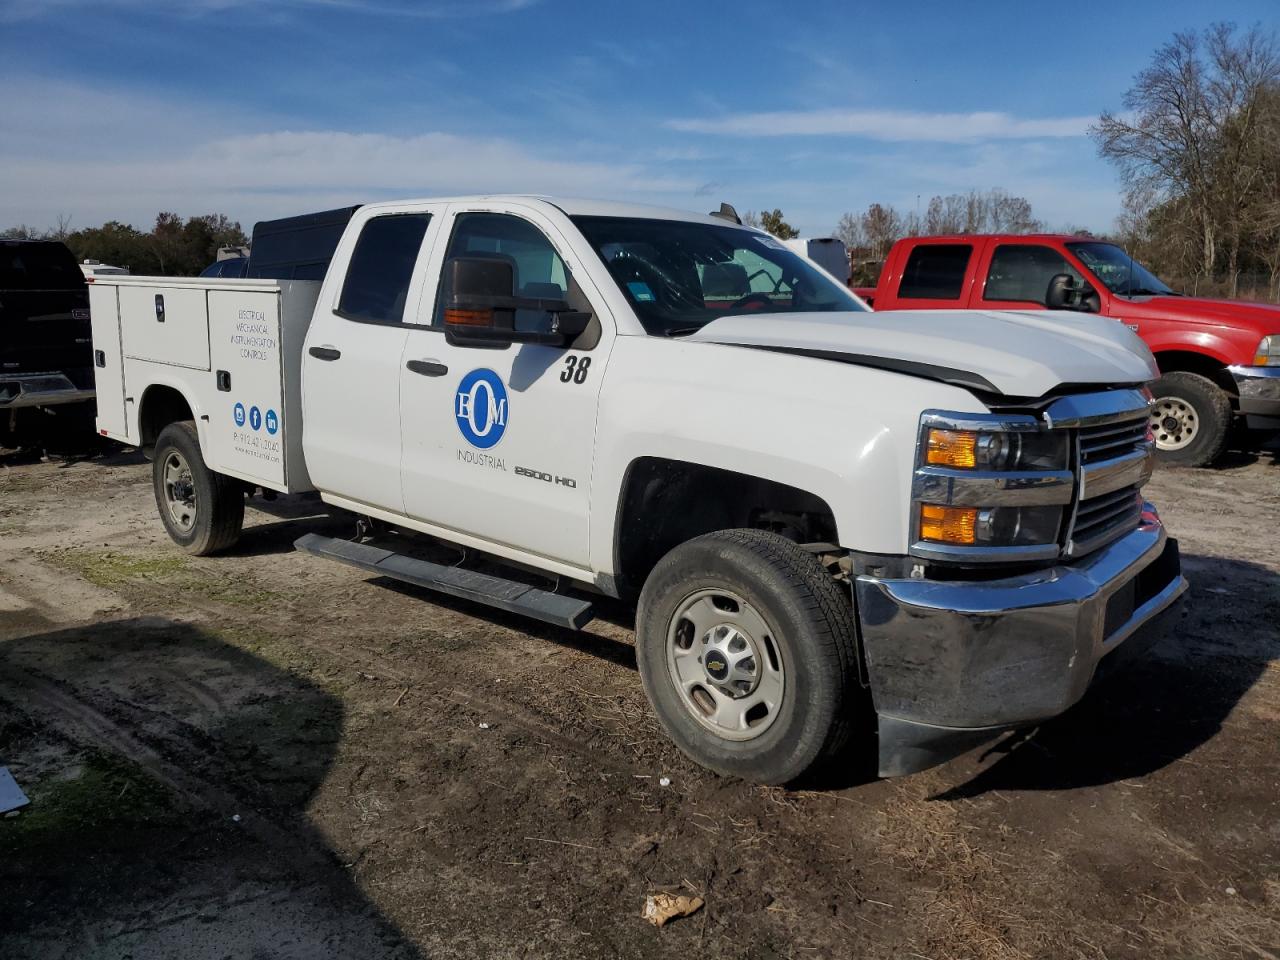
{"x": 169, "y": 774}
{"x": 1161, "y": 706}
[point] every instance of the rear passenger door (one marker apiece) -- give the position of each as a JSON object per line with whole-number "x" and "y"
{"x": 936, "y": 276}
{"x": 351, "y": 364}
{"x": 1016, "y": 276}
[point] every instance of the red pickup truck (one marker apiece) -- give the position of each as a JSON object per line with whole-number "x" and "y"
{"x": 1219, "y": 358}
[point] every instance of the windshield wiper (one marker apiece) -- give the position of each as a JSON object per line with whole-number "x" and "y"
{"x": 681, "y": 331}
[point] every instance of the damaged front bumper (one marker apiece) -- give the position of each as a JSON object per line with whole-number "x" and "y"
{"x": 952, "y": 664}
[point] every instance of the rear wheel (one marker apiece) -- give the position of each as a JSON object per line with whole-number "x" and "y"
{"x": 1191, "y": 419}
{"x": 746, "y": 650}
{"x": 203, "y": 511}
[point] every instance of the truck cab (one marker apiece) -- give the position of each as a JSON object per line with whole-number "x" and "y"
{"x": 812, "y": 507}
{"x": 1219, "y": 359}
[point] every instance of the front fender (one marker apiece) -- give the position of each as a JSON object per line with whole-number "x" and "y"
{"x": 843, "y": 433}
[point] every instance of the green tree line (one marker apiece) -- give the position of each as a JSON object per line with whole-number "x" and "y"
{"x": 172, "y": 248}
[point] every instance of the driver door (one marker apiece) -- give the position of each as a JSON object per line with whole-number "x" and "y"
{"x": 498, "y": 443}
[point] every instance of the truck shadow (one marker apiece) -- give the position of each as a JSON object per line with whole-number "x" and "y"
{"x": 1162, "y": 707}
{"x": 169, "y": 774}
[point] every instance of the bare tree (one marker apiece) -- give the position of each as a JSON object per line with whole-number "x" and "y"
{"x": 1193, "y": 115}
{"x": 882, "y": 226}
{"x": 849, "y": 231}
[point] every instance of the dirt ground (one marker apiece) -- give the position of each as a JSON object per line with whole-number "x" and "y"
{"x": 268, "y": 755}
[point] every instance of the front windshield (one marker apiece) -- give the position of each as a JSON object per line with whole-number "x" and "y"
{"x": 1121, "y": 273}
{"x": 679, "y": 276}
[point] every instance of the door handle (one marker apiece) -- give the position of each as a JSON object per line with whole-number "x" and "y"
{"x": 428, "y": 368}
{"x": 325, "y": 353}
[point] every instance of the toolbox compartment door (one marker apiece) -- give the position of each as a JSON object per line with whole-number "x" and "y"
{"x": 246, "y": 431}
{"x": 108, "y": 360}
{"x": 165, "y": 325}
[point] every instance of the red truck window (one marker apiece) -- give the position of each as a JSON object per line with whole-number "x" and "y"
{"x": 1022, "y": 271}
{"x": 935, "y": 271}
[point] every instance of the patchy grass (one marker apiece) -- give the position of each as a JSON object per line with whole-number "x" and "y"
{"x": 108, "y": 793}
{"x": 113, "y": 569}
{"x": 167, "y": 568}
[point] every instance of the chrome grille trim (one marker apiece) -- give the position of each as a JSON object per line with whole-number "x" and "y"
{"x": 1115, "y": 460}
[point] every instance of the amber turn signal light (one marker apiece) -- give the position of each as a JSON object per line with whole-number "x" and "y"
{"x": 952, "y": 448}
{"x": 947, "y": 524}
{"x": 469, "y": 318}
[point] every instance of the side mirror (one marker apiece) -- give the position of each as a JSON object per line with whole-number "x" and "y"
{"x": 1064, "y": 294}
{"x": 480, "y": 307}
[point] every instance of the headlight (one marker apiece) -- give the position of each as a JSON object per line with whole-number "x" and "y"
{"x": 988, "y": 450}
{"x": 989, "y": 488}
{"x": 1268, "y": 352}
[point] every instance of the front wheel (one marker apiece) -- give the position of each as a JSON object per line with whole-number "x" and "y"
{"x": 746, "y": 650}
{"x": 1190, "y": 420}
{"x": 203, "y": 511}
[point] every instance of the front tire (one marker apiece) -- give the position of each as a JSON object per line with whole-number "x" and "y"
{"x": 1191, "y": 419}
{"x": 203, "y": 511}
{"x": 746, "y": 649}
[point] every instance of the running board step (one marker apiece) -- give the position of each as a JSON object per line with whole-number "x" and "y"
{"x": 483, "y": 588}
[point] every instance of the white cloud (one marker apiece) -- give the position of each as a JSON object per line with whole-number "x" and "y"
{"x": 96, "y": 155}
{"x": 888, "y": 125}
{"x": 16, "y": 10}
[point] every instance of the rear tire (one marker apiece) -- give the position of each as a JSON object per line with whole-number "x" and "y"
{"x": 1191, "y": 419}
{"x": 746, "y": 649}
{"x": 202, "y": 511}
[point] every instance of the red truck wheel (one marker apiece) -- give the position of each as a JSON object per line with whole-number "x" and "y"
{"x": 1190, "y": 420}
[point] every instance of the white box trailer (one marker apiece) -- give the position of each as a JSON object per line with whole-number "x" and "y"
{"x": 232, "y": 348}
{"x": 827, "y": 252}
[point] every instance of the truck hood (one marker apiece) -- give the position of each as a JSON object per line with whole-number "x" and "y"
{"x": 1261, "y": 318}
{"x": 1005, "y": 352}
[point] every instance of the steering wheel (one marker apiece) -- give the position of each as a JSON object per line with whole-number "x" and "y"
{"x": 752, "y": 301}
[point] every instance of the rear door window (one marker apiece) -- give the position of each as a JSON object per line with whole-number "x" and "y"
{"x": 1022, "y": 271}
{"x": 935, "y": 271}
{"x": 377, "y": 281}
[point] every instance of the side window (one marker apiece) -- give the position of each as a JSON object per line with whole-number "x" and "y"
{"x": 537, "y": 269}
{"x": 377, "y": 281}
{"x": 1022, "y": 271}
{"x": 935, "y": 271}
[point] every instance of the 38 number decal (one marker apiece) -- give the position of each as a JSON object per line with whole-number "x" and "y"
{"x": 575, "y": 369}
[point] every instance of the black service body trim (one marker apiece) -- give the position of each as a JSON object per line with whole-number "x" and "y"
{"x": 911, "y": 368}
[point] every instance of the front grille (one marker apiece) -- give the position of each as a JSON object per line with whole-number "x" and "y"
{"x": 1105, "y": 517}
{"x": 1111, "y": 440}
{"x": 1100, "y": 520}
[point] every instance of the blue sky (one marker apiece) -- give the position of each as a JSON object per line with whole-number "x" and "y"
{"x": 115, "y": 109}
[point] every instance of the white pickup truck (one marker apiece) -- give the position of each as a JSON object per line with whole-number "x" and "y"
{"x": 814, "y": 507}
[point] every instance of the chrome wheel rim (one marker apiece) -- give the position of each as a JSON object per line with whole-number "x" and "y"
{"x": 1174, "y": 423}
{"x": 725, "y": 665}
{"x": 179, "y": 492}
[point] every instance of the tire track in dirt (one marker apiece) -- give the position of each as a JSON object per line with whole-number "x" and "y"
{"x": 82, "y": 723}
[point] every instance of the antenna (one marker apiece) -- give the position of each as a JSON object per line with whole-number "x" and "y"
{"x": 726, "y": 212}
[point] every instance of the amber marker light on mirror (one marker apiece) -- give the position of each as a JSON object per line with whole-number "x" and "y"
{"x": 948, "y": 524}
{"x": 469, "y": 318}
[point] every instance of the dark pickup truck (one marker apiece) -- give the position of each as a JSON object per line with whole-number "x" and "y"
{"x": 46, "y": 350}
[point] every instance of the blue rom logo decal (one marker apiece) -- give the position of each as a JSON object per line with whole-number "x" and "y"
{"x": 238, "y": 413}
{"x": 480, "y": 407}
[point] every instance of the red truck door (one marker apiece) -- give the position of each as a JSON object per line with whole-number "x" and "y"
{"x": 1015, "y": 275}
{"x": 937, "y": 274}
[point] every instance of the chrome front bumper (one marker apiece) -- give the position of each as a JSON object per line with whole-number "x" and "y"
{"x": 953, "y": 663}
{"x": 1259, "y": 389}
{"x": 39, "y": 390}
